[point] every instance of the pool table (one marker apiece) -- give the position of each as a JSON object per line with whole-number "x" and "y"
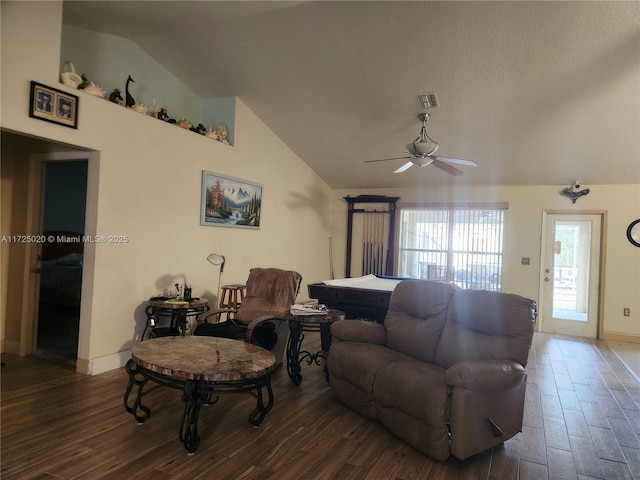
{"x": 360, "y": 297}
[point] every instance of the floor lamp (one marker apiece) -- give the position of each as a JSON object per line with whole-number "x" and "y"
{"x": 217, "y": 260}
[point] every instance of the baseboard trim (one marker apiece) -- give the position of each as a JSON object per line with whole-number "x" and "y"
{"x": 99, "y": 365}
{"x": 620, "y": 337}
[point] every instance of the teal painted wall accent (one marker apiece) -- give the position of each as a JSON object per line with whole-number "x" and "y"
{"x": 220, "y": 110}
{"x": 108, "y": 60}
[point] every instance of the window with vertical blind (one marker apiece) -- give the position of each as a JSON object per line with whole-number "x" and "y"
{"x": 462, "y": 244}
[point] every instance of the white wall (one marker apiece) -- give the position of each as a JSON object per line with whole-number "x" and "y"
{"x": 145, "y": 183}
{"x": 621, "y": 203}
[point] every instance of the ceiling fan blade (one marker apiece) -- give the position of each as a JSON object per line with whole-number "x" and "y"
{"x": 458, "y": 161}
{"x": 406, "y": 166}
{"x": 446, "y": 167}
{"x": 386, "y": 159}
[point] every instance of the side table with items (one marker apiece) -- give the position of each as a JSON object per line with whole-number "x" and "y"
{"x": 179, "y": 312}
{"x": 302, "y": 318}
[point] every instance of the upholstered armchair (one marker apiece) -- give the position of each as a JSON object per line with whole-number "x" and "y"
{"x": 270, "y": 293}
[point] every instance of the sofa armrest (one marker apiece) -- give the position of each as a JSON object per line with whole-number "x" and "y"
{"x": 210, "y": 316}
{"x": 358, "y": 331}
{"x": 485, "y": 376}
{"x": 216, "y": 312}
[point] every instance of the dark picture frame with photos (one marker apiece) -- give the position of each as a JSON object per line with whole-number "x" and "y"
{"x": 53, "y": 105}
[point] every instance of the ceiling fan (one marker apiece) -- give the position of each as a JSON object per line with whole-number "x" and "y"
{"x": 422, "y": 153}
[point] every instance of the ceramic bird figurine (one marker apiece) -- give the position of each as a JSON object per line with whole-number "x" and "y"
{"x": 130, "y": 102}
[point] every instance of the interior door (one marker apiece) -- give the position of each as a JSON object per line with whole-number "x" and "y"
{"x": 571, "y": 274}
{"x": 60, "y": 284}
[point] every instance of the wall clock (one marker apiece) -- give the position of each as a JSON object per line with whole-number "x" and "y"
{"x": 633, "y": 232}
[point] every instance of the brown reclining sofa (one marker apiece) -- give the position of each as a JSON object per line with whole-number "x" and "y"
{"x": 445, "y": 372}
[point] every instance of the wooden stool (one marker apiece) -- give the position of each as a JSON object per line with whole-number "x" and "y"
{"x": 231, "y": 297}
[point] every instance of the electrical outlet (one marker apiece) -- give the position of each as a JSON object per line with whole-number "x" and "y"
{"x": 626, "y": 312}
{"x": 525, "y": 261}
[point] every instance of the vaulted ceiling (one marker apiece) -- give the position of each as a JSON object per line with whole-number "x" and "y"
{"x": 536, "y": 93}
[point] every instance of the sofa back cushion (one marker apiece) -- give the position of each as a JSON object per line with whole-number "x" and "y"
{"x": 483, "y": 325}
{"x": 416, "y": 317}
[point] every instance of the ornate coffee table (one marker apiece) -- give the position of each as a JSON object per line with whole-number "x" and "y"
{"x": 203, "y": 368}
{"x": 308, "y": 323}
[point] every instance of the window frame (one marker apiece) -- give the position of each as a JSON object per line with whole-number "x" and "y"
{"x": 490, "y": 278}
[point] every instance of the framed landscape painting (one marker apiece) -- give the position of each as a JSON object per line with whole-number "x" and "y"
{"x": 229, "y": 202}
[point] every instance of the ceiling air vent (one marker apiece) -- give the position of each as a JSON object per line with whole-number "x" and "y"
{"x": 429, "y": 100}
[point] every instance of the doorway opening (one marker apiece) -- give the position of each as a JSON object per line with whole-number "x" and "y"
{"x": 571, "y": 270}
{"x": 62, "y": 259}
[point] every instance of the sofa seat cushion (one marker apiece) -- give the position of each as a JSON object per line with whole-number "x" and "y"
{"x": 413, "y": 402}
{"x": 353, "y": 367}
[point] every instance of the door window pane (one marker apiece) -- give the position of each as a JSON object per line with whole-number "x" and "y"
{"x": 571, "y": 270}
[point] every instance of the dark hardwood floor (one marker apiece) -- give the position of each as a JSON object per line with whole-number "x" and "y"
{"x": 582, "y": 421}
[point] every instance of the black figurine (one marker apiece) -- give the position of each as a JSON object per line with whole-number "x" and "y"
{"x": 116, "y": 96}
{"x": 163, "y": 115}
{"x": 201, "y": 129}
{"x": 130, "y": 100}
{"x": 85, "y": 82}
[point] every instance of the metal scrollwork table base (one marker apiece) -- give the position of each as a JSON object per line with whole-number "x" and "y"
{"x": 203, "y": 368}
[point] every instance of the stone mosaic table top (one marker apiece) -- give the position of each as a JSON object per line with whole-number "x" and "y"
{"x": 203, "y": 358}
{"x": 331, "y": 315}
{"x": 172, "y": 303}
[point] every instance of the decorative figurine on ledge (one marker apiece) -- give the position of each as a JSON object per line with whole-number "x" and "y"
{"x": 153, "y": 111}
{"x": 116, "y": 96}
{"x": 140, "y": 108}
{"x": 85, "y": 82}
{"x": 130, "y": 100}
{"x": 201, "y": 129}
{"x": 219, "y": 133}
{"x": 90, "y": 87}
{"x": 183, "y": 123}
{"x": 163, "y": 115}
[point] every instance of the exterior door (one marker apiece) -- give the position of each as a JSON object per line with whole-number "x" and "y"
{"x": 570, "y": 287}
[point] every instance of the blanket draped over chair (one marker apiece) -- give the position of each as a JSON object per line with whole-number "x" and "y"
{"x": 270, "y": 293}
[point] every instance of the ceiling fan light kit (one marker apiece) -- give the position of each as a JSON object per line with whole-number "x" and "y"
{"x": 422, "y": 148}
{"x": 422, "y": 161}
{"x": 422, "y": 153}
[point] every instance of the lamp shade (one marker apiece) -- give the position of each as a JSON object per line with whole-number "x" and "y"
{"x": 217, "y": 259}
